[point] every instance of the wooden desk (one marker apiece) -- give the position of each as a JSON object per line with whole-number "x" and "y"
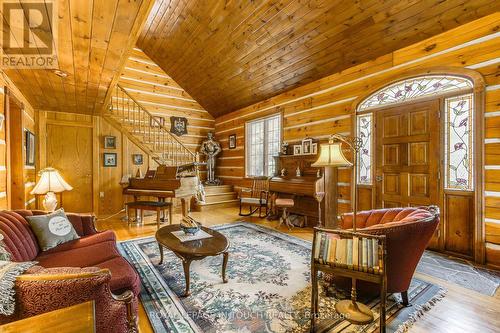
{"x": 78, "y": 318}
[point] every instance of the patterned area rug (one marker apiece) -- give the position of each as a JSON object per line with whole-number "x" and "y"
{"x": 459, "y": 271}
{"x": 268, "y": 289}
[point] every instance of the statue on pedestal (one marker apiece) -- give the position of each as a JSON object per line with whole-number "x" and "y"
{"x": 211, "y": 149}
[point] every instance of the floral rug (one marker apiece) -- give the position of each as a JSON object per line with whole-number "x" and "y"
{"x": 268, "y": 289}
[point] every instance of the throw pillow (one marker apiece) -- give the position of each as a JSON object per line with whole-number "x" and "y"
{"x": 52, "y": 229}
{"x": 4, "y": 254}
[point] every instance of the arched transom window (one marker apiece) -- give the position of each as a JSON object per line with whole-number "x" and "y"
{"x": 458, "y": 124}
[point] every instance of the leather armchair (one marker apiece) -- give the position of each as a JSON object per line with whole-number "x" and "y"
{"x": 408, "y": 231}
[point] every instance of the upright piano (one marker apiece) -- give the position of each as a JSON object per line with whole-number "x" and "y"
{"x": 167, "y": 182}
{"x": 305, "y": 189}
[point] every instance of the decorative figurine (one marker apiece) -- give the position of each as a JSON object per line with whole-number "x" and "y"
{"x": 283, "y": 172}
{"x": 298, "y": 173}
{"x": 211, "y": 149}
{"x": 284, "y": 148}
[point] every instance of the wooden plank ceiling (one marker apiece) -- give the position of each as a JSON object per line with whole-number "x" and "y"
{"x": 94, "y": 39}
{"x": 230, "y": 54}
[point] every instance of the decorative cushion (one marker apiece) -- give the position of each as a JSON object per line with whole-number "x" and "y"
{"x": 283, "y": 202}
{"x": 52, "y": 229}
{"x": 4, "y": 254}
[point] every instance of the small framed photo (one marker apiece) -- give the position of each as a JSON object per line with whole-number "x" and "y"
{"x": 314, "y": 149}
{"x": 307, "y": 146}
{"x": 232, "y": 141}
{"x": 297, "y": 149}
{"x": 137, "y": 159}
{"x": 110, "y": 159}
{"x": 157, "y": 121}
{"x": 110, "y": 142}
{"x": 30, "y": 148}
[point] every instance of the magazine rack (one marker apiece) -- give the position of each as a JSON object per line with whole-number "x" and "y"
{"x": 359, "y": 272}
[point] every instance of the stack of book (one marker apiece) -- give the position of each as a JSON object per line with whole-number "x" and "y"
{"x": 357, "y": 253}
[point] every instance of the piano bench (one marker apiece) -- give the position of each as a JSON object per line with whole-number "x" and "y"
{"x": 284, "y": 204}
{"x": 158, "y": 206}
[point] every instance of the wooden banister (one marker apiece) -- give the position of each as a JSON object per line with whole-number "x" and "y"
{"x": 145, "y": 130}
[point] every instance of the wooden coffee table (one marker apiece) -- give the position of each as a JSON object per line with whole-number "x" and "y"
{"x": 193, "y": 250}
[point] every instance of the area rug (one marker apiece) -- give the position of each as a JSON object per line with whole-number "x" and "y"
{"x": 460, "y": 272}
{"x": 268, "y": 289}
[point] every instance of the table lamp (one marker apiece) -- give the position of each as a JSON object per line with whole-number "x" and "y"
{"x": 331, "y": 155}
{"x": 50, "y": 182}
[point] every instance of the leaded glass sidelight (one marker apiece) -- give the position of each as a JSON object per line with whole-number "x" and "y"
{"x": 459, "y": 143}
{"x": 364, "y": 131}
{"x": 415, "y": 88}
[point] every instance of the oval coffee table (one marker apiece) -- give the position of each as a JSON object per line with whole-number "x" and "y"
{"x": 193, "y": 250}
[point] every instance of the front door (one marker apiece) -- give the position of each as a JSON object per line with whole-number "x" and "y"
{"x": 408, "y": 155}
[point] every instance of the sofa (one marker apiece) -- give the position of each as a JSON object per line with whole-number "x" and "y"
{"x": 88, "y": 268}
{"x": 408, "y": 230}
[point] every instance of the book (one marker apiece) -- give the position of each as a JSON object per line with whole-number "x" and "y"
{"x": 355, "y": 253}
{"x": 333, "y": 249}
{"x": 364, "y": 261}
{"x": 317, "y": 245}
{"x": 327, "y": 248}
{"x": 349, "y": 253}
{"x": 337, "y": 252}
{"x": 343, "y": 252}
{"x": 369, "y": 254}
{"x": 375, "y": 255}
{"x": 360, "y": 254}
{"x": 321, "y": 248}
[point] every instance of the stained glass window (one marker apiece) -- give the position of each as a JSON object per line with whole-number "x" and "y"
{"x": 364, "y": 131}
{"x": 414, "y": 88}
{"x": 458, "y": 139}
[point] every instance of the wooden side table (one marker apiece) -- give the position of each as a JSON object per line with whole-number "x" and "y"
{"x": 78, "y": 318}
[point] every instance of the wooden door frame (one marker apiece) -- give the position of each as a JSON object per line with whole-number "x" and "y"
{"x": 478, "y": 90}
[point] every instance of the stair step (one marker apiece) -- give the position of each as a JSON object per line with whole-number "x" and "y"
{"x": 219, "y": 189}
{"x": 200, "y": 207}
{"x": 221, "y": 197}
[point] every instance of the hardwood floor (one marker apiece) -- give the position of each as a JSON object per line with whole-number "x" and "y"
{"x": 461, "y": 310}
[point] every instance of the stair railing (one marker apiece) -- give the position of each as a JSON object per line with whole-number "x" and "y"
{"x": 148, "y": 129}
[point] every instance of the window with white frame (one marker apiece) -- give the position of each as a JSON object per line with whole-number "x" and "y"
{"x": 262, "y": 143}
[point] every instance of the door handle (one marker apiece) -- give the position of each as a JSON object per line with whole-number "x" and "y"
{"x": 379, "y": 178}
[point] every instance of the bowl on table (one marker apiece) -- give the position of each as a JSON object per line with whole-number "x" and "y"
{"x": 190, "y": 229}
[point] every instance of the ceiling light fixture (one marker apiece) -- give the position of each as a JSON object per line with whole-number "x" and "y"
{"x": 60, "y": 73}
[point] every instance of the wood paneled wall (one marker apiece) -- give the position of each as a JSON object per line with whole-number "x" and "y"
{"x": 325, "y": 107}
{"x": 106, "y": 191}
{"x": 158, "y": 93}
{"x": 27, "y": 122}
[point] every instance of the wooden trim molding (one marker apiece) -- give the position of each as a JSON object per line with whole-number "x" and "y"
{"x": 479, "y": 140}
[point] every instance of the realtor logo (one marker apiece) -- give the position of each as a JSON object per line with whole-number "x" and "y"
{"x": 29, "y": 34}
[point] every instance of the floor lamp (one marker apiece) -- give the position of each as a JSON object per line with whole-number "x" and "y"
{"x": 331, "y": 155}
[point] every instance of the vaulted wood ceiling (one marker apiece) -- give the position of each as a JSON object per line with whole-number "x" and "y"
{"x": 230, "y": 54}
{"x": 94, "y": 38}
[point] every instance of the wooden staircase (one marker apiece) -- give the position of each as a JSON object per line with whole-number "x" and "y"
{"x": 217, "y": 197}
{"x": 144, "y": 130}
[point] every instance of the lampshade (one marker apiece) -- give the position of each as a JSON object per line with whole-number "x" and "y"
{"x": 331, "y": 155}
{"x": 50, "y": 181}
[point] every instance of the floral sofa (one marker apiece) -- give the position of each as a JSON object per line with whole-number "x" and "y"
{"x": 88, "y": 268}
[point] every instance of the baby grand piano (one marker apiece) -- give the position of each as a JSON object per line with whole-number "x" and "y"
{"x": 307, "y": 188}
{"x": 167, "y": 182}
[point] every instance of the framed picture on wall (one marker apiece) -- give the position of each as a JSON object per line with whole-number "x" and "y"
{"x": 110, "y": 142}
{"x": 137, "y": 159}
{"x": 110, "y": 159}
{"x": 314, "y": 148}
{"x": 157, "y": 121}
{"x": 297, "y": 149}
{"x": 30, "y": 148}
{"x": 307, "y": 146}
{"x": 232, "y": 141}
